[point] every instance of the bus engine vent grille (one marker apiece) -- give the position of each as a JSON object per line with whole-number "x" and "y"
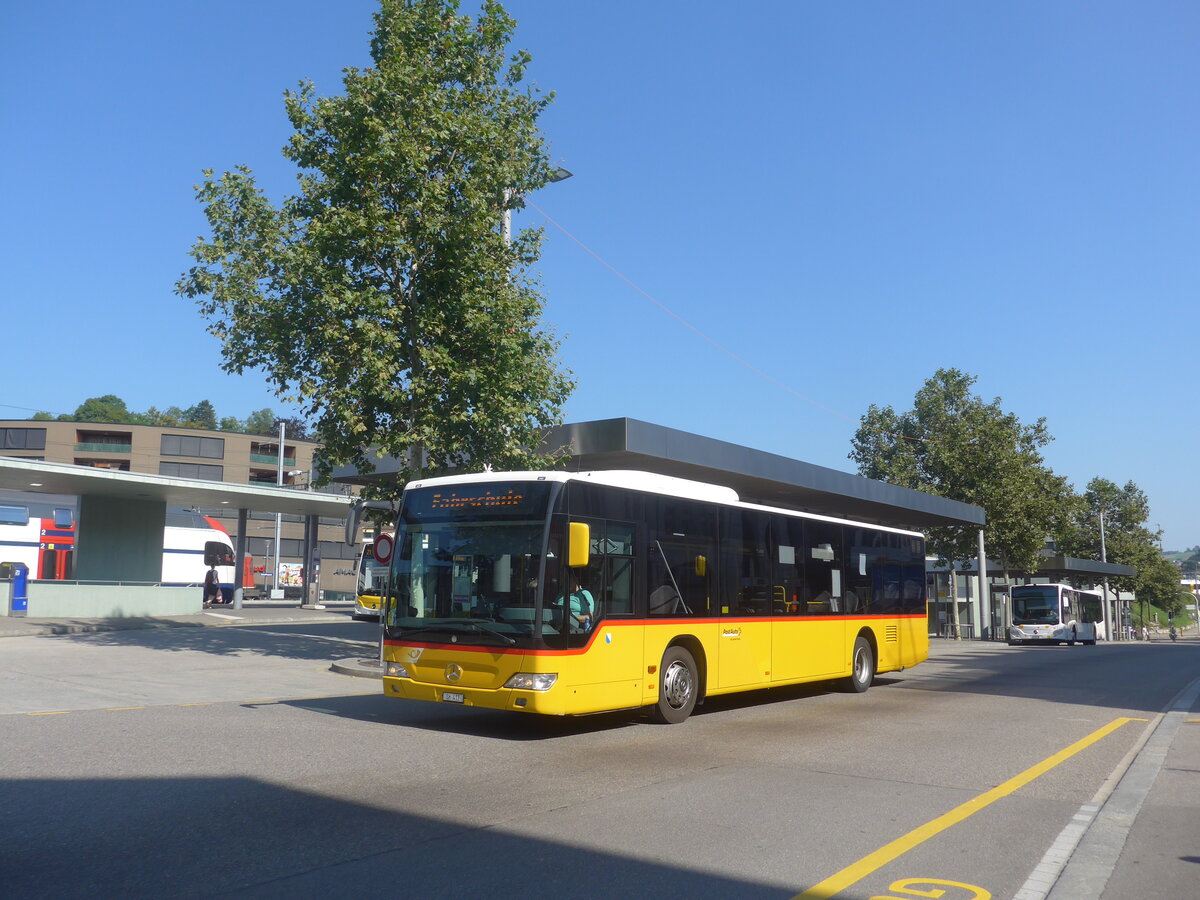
{"x": 891, "y": 634}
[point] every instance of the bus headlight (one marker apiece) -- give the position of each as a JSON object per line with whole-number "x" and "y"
{"x": 396, "y": 670}
{"x": 526, "y": 681}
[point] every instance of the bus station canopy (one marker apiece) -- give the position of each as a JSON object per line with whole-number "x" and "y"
{"x": 757, "y": 476}
{"x": 84, "y": 481}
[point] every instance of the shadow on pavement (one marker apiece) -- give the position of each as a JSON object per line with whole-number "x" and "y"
{"x": 187, "y": 837}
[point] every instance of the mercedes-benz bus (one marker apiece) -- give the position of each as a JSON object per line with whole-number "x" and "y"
{"x": 1054, "y": 614}
{"x": 572, "y": 593}
{"x": 370, "y": 576}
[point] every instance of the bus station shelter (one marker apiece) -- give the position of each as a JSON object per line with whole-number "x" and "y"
{"x": 769, "y": 479}
{"x": 757, "y": 476}
{"x": 119, "y": 534}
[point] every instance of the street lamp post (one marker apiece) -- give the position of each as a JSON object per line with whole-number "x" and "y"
{"x": 560, "y": 174}
{"x": 278, "y": 517}
{"x": 1114, "y": 629}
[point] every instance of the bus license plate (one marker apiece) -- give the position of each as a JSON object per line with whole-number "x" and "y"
{"x": 450, "y": 697}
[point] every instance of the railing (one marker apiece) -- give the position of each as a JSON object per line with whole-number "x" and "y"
{"x": 966, "y": 630}
{"x": 104, "y": 448}
{"x": 272, "y": 459}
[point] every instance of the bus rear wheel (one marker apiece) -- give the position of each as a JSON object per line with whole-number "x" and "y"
{"x": 862, "y": 671}
{"x": 678, "y": 687}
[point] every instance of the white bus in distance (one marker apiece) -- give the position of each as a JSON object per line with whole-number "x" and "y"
{"x": 1055, "y": 614}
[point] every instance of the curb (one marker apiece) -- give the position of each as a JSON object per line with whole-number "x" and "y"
{"x": 358, "y": 667}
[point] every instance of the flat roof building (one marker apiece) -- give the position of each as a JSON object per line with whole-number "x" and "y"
{"x": 182, "y": 455}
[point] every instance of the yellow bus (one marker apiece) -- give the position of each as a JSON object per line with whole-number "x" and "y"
{"x": 370, "y": 576}
{"x": 573, "y": 593}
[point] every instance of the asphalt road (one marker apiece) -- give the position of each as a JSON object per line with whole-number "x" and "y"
{"x": 232, "y": 761}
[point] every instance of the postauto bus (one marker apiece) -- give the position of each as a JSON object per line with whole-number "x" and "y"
{"x": 572, "y": 593}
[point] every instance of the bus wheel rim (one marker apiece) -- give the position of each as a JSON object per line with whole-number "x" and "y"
{"x": 860, "y": 664}
{"x": 677, "y": 685}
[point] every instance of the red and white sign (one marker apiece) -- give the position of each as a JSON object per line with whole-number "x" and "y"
{"x": 382, "y": 550}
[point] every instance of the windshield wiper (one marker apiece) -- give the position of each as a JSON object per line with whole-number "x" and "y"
{"x": 452, "y": 627}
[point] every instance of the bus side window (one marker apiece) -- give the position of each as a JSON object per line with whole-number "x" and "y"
{"x": 823, "y": 567}
{"x": 745, "y": 564}
{"x": 681, "y": 546}
{"x": 787, "y": 542}
{"x": 618, "y": 568}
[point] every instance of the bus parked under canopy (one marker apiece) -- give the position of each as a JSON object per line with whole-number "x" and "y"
{"x": 572, "y": 593}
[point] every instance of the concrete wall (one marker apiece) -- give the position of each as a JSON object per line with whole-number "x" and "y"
{"x": 119, "y": 539}
{"x": 56, "y": 600}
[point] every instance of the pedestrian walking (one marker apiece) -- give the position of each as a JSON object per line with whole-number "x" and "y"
{"x": 212, "y": 587}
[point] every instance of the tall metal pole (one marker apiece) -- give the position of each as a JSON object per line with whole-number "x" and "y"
{"x": 278, "y": 517}
{"x": 1114, "y": 629}
{"x": 985, "y": 595}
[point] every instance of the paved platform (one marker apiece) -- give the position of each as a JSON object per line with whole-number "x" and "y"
{"x": 252, "y": 613}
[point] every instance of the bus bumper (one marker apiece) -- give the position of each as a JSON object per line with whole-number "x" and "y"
{"x": 501, "y": 699}
{"x": 366, "y": 607}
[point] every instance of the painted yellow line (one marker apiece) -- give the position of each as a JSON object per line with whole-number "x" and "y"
{"x": 121, "y": 708}
{"x": 195, "y": 704}
{"x": 57, "y": 712}
{"x": 889, "y": 852}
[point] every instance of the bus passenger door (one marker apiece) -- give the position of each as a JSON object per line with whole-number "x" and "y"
{"x": 747, "y": 602}
{"x": 810, "y": 636}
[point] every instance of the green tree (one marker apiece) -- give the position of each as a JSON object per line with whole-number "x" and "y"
{"x": 42, "y": 417}
{"x": 1128, "y": 541}
{"x": 954, "y": 444}
{"x": 109, "y": 408}
{"x": 383, "y": 297}
{"x": 297, "y": 428}
{"x": 261, "y": 421}
{"x": 231, "y": 423}
{"x": 202, "y": 415}
{"x": 154, "y": 416}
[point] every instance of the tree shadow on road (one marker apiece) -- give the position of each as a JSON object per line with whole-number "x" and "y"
{"x": 300, "y": 642}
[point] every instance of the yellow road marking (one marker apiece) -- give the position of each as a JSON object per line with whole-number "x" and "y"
{"x": 889, "y": 852}
{"x": 121, "y": 708}
{"x": 911, "y": 887}
{"x": 57, "y": 712}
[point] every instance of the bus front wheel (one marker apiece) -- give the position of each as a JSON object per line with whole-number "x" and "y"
{"x": 862, "y": 671}
{"x": 678, "y": 686}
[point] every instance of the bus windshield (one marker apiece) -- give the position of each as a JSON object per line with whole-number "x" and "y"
{"x": 1035, "y": 605}
{"x": 467, "y": 566}
{"x": 372, "y": 574}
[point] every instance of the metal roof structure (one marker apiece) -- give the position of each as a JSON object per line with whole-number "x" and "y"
{"x": 758, "y": 477}
{"x": 63, "y": 478}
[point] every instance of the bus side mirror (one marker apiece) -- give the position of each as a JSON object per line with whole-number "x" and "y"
{"x": 579, "y": 545}
{"x": 354, "y": 516}
{"x": 701, "y": 566}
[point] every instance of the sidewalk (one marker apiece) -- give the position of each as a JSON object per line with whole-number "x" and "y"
{"x": 252, "y": 613}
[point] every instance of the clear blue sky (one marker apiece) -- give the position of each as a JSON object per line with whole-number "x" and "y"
{"x": 844, "y": 196}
